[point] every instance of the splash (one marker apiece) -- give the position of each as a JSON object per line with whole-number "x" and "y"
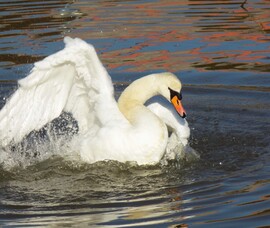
{"x": 59, "y": 139}
{"x": 55, "y": 139}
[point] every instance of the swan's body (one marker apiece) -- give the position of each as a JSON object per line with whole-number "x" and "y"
{"x": 75, "y": 81}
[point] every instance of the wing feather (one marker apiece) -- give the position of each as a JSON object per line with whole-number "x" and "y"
{"x": 72, "y": 80}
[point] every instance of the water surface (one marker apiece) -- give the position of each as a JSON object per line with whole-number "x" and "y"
{"x": 219, "y": 49}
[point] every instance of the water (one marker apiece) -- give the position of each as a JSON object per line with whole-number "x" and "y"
{"x": 219, "y": 49}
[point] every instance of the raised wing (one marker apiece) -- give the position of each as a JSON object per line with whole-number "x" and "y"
{"x": 166, "y": 112}
{"x": 72, "y": 80}
{"x": 177, "y": 145}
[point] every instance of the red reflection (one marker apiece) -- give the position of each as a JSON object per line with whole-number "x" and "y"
{"x": 204, "y": 23}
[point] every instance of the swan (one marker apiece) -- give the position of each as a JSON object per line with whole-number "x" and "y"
{"x": 74, "y": 80}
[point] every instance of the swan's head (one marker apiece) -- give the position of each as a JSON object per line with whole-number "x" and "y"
{"x": 171, "y": 90}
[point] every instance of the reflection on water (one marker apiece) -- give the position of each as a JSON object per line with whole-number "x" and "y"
{"x": 141, "y": 36}
{"x": 219, "y": 48}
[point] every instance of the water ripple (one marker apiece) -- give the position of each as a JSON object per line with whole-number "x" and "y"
{"x": 220, "y": 49}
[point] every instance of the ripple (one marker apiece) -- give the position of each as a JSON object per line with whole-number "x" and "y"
{"x": 221, "y": 52}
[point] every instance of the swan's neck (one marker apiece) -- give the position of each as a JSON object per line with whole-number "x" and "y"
{"x": 150, "y": 132}
{"x": 135, "y": 95}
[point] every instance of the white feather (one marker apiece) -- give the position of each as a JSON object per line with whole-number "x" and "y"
{"x": 74, "y": 80}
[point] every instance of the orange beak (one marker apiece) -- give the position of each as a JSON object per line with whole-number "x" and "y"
{"x": 178, "y": 106}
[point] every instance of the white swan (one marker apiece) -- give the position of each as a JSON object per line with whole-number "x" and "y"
{"x": 74, "y": 80}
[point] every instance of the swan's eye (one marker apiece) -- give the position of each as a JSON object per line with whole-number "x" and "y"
{"x": 174, "y": 93}
{"x": 180, "y": 96}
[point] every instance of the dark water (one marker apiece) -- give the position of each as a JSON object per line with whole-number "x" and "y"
{"x": 219, "y": 49}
